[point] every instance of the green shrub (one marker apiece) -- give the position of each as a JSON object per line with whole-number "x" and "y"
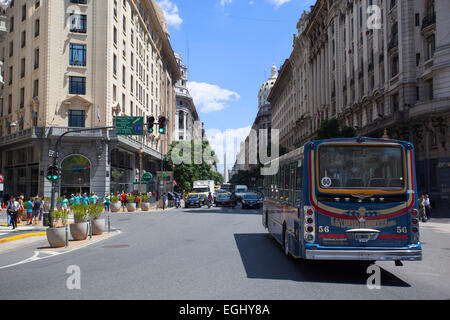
{"x": 59, "y": 215}
{"x": 95, "y": 211}
{"x": 115, "y": 199}
{"x": 131, "y": 198}
{"x": 145, "y": 198}
{"x": 80, "y": 213}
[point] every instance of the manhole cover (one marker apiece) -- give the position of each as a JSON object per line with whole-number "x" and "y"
{"x": 116, "y": 246}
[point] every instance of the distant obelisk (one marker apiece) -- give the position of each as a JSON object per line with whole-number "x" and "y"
{"x": 225, "y": 169}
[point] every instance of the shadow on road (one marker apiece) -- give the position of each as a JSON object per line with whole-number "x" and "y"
{"x": 263, "y": 259}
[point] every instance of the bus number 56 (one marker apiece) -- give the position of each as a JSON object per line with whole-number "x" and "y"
{"x": 402, "y": 230}
{"x": 324, "y": 229}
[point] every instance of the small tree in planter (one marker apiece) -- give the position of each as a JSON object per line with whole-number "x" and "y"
{"x": 145, "y": 204}
{"x": 131, "y": 204}
{"x": 56, "y": 234}
{"x": 98, "y": 225}
{"x": 79, "y": 229}
{"x": 115, "y": 204}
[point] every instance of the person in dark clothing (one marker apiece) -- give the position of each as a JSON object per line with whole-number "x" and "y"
{"x": 13, "y": 209}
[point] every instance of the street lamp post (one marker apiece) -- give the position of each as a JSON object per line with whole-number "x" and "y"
{"x": 141, "y": 152}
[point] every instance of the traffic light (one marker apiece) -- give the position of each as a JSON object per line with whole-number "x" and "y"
{"x": 150, "y": 123}
{"x": 162, "y": 124}
{"x": 52, "y": 173}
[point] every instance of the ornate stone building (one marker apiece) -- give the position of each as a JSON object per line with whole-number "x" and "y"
{"x": 376, "y": 70}
{"x": 79, "y": 64}
{"x": 186, "y": 117}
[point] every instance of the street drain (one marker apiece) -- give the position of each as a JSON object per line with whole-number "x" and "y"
{"x": 116, "y": 246}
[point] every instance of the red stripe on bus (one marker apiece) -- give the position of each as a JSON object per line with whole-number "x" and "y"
{"x": 333, "y": 236}
{"x": 393, "y": 236}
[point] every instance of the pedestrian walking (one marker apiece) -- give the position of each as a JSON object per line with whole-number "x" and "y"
{"x": 37, "y": 204}
{"x": 93, "y": 198}
{"x": 21, "y": 209}
{"x": 13, "y": 209}
{"x": 422, "y": 214}
{"x": 123, "y": 199}
{"x": 164, "y": 199}
{"x": 41, "y": 210}
{"x": 64, "y": 204}
{"x": 30, "y": 211}
{"x": 77, "y": 199}
{"x": 71, "y": 200}
{"x": 428, "y": 206}
{"x": 106, "y": 201}
{"x": 85, "y": 199}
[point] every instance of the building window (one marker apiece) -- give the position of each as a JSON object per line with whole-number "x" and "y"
{"x": 11, "y": 24}
{"x": 37, "y": 4}
{"x": 24, "y": 12}
{"x": 22, "y": 97}
{"x": 77, "y": 55}
{"x": 115, "y": 35}
{"x": 430, "y": 46}
{"x": 9, "y": 104}
{"x": 79, "y": 1}
{"x": 77, "y": 118}
{"x": 11, "y": 49}
{"x": 35, "y": 88}
{"x": 429, "y": 88}
{"x": 10, "y": 75}
{"x": 36, "y": 58}
{"x": 23, "y": 39}
{"x": 394, "y": 67}
{"x": 77, "y": 85}
{"x": 22, "y": 68}
{"x": 37, "y": 27}
{"x": 78, "y": 23}
{"x": 395, "y": 103}
{"x": 115, "y": 64}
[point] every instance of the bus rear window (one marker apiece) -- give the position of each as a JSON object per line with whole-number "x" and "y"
{"x": 361, "y": 167}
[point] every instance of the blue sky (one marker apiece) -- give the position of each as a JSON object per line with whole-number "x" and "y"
{"x": 229, "y": 47}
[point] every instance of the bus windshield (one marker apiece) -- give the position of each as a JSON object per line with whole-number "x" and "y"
{"x": 361, "y": 167}
{"x": 200, "y": 189}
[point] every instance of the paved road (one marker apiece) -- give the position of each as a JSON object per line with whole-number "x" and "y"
{"x": 216, "y": 253}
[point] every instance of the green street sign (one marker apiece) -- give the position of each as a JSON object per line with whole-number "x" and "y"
{"x": 129, "y": 126}
{"x": 147, "y": 176}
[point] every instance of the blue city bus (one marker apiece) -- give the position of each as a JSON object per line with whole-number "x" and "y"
{"x": 345, "y": 199}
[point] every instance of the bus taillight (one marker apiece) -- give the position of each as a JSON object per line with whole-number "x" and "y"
{"x": 309, "y": 229}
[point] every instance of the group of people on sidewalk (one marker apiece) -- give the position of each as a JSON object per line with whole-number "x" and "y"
{"x": 18, "y": 210}
{"x": 424, "y": 207}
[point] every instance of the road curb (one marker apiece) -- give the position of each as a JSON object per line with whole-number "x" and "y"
{"x": 22, "y": 236}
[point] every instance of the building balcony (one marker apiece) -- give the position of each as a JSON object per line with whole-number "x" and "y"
{"x": 429, "y": 20}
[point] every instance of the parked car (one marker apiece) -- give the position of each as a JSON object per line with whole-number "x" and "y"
{"x": 193, "y": 200}
{"x": 251, "y": 200}
{"x": 223, "y": 199}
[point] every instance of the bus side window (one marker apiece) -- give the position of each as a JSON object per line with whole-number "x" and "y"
{"x": 299, "y": 181}
{"x": 292, "y": 182}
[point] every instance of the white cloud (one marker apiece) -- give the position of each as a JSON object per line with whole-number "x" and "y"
{"x": 278, "y": 3}
{"x": 209, "y": 97}
{"x": 171, "y": 13}
{"x": 228, "y": 141}
{"x": 225, "y": 2}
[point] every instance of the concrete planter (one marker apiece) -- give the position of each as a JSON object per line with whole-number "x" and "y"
{"x": 131, "y": 207}
{"x": 56, "y": 237}
{"x": 98, "y": 226}
{"x": 115, "y": 206}
{"x": 79, "y": 231}
{"x": 145, "y": 206}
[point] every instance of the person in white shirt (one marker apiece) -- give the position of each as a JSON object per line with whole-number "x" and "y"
{"x": 13, "y": 209}
{"x": 427, "y": 207}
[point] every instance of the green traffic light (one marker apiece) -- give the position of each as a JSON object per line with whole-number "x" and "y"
{"x": 55, "y": 177}
{"x": 161, "y": 130}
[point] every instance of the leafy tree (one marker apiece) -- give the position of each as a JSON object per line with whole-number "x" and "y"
{"x": 331, "y": 128}
{"x": 189, "y": 164}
